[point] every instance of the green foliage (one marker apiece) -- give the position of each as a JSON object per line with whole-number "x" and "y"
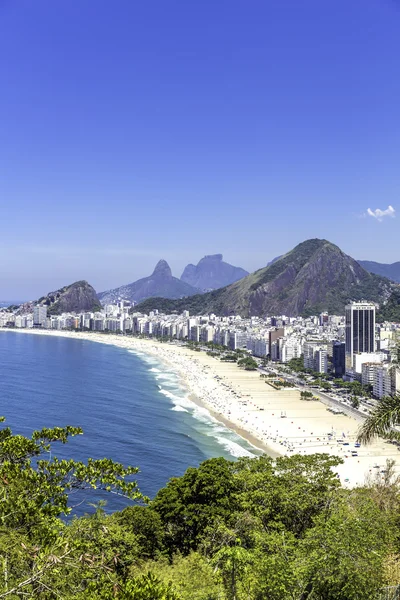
{"x": 148, "y": 587}
{"x": 390, "y": 311}
{"x": 254, "y": 529}
{"x": 190, "y": 504}
{"x": 296, "y": 364}
{"x": 229, "y": 357}
{"x": 317, "y": 265}
{"x": 342, "y": 547}
{"x": 193, "y": 576}
{"x": 146, "y": 525}
{"x": 34, "y": 495}
{"x": 381, "y": 422}
{"x": 248, "y": 363}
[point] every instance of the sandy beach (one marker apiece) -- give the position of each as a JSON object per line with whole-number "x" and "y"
{"x": 277, "y": 421}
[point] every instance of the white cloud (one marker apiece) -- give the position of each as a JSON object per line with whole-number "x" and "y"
{"x": 380, "y": 214}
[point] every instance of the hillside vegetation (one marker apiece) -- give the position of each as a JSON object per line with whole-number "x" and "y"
{"x": 390, "y": 311}
{"x": 315, "y": 276}
{"x": 254, "y": 529}
{"x": 391, "y": 271}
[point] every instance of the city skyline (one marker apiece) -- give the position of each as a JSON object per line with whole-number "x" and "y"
{"x": 149, "y": 132}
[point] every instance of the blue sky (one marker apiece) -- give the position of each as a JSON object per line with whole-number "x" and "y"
{"x": 133, "y": 131}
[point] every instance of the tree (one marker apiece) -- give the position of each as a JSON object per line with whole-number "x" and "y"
{"x": 143, "y": 587}
{"x": 190, "y": 504}
{"x": 341, "y": 557}
{"x": 146, "y": 525}
{"x": 34, "y": 494}
{"x": 286, "y": 493}
{"x": 193, "y": 577}
{"x": 383, "y": 418}
{"x": 248, "y": 363}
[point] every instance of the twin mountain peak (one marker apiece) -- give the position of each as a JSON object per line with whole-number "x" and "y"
{"x": 210, "y": 273}
{"x": 313, "y": 277}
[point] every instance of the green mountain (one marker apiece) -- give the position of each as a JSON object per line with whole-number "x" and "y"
{"x": 390, "y": 311}
{"x": 315, "y": 276}
{"x": 391, "y": 271}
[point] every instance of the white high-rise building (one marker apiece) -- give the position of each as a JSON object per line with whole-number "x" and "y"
{"x": 39, "y": 316}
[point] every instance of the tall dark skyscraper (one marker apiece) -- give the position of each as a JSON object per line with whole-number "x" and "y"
{"x": 360, "y": 329}
{"x": 339, "y": 358}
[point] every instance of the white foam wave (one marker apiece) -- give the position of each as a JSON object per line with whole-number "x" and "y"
{"x": 178, "y": 400}
{"x": 202, "y": 414}
{"x": 166, "y": 376}
{"x": 233, "y": 448}
{"x": 154, "y": 370}
{"x": 211, "y": 426}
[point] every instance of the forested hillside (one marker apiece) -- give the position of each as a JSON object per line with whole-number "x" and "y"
{"x": 315, "y": 276}
{"x": 246, "y": 530}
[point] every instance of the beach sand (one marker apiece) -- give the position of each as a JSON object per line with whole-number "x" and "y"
{"x": 276, "y": 421}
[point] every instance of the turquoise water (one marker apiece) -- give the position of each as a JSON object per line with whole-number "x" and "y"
{"x": 131, "y": 407}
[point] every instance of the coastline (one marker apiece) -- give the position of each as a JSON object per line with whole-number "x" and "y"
{"x": 275, "y": 422}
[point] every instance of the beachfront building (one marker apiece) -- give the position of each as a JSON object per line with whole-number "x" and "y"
{"x": 339, "y": 358}
{"x": 21, "y": 321}
{"x": 39, "y": 316}
{"x": 366, "y": 357}
{"x": 291, "y": 348}
{"x": 321, "y": 360}
{"x": 368, "y": 373}
{"x": 386, "y": 380}
{"x": 237, "y": 339}
{"x": 360, "y": 330}
{"x": 316, "y": 357}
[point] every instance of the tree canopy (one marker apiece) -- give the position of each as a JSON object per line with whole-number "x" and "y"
{"x": 251, "y": 529}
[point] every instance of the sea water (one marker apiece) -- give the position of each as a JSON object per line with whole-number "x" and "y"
{"x": 131, "y": 407}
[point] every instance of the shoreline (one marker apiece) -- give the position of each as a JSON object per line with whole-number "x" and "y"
{"x": 277, "y": 422}
{"x": 246, "y": 435}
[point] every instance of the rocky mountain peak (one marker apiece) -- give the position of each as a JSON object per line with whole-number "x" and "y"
{"x": 313, "y": 277}
{"x": 76, "y": 297}
{"x": 212, "y": 257}
{"x": 211, "y": 273}
{"x": 162, "y": 269}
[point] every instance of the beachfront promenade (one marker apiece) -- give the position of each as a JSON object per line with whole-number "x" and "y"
{"x": 278, "y": 421}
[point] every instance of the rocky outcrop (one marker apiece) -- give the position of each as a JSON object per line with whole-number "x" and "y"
{"x": 160, "y": 283}
{"x": 211, "y": 273}
{"x": 77, "y": 297}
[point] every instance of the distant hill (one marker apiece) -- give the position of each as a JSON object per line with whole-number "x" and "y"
{"x": 160, "y": 283}
{"x": 271, "y": 262}
{"x": 315, "y": 276}
{"x": 391, "y": 271}
{"x": 76, "y": 297}
{"x": 211, "y": 273}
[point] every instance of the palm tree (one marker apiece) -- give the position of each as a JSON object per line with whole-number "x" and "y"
{"x": 386, "y": 416}
{"x": 382, "y": 421}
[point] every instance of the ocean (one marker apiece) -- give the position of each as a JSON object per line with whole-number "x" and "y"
{"x": 130, "y": 406}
